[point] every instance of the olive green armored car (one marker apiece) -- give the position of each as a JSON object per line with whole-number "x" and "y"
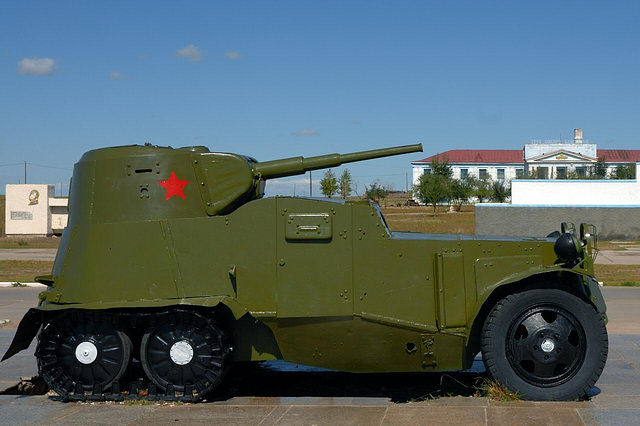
{"x": 174, "y": 266}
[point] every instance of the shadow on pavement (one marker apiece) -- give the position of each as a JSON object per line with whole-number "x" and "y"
{"x": 281, "y": 379}
{"x": 256, "y": 380}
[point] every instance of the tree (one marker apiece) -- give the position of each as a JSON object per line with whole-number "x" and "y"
{"x": 600, "y": 169}
{"x": 626, "y": 171}
{"x": 441, "y": 168}
{"x": 329, "y": 184}
{"x": 344, "y": 183}
{"x": 376, "y": 192}
{"x": 433, "y": 189}
{"x": 482, "y": 189}
{"x": 461, "y": 190}
{"x": 573, "y": 175}
{"x": 499, "y": 192}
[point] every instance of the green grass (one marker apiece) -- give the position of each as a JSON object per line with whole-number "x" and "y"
{"x": 32, "y": 242}
{"x": 23, "y": 271}
{"x": 625, "y": 284}
{"x": 618, "y": 275}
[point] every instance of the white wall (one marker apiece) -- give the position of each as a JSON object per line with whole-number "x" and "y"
{"x": 532, "y": 150}
{"x": 27, "y": 215}
{"x": 577, "y": 192}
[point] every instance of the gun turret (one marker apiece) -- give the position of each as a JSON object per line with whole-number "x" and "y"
{"x": 133, "y": 183}
{"x": 300, "y": 165}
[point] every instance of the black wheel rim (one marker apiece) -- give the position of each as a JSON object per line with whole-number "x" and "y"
{"x": 63, "y": 342}
{"x": 186, "y": 333}
{"x": 546, "y": 345}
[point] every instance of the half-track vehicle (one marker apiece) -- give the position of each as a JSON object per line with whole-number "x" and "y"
{"x": 173, "y": 260}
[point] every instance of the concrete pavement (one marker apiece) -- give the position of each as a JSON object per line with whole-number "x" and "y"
{"x": 285, "y": 396}
{"x": 28, "y": 254}
{"x": 629, "y": 256}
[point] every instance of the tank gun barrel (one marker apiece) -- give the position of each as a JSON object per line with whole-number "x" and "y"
{"x": 300, "y": 165}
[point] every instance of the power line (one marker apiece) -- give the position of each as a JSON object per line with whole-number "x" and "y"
{"x": 38, "y": 165}
{"x": 48, "y": 167}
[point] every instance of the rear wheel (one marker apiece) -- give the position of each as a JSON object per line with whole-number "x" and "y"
{"x": 82, "y": 351}
{"x": 545, "y": 344}
{"x": 185, "y": 351}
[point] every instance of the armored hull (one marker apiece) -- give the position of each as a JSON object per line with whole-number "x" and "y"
{"x": 173, "y": 258}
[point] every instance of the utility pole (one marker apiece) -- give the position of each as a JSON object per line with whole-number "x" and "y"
{"x": 294, "y": 189}
{"x": 25, "y": 172}
{"x": 406, "y": 182}
{"x": 310, "y": 185}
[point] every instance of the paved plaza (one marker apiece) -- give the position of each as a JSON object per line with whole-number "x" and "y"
{"x": 46, "y": 254}
{"x": 283, "y": 394}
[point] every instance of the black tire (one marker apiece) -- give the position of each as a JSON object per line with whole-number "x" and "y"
{"x": 545, "y": 344}
{"x": 60, "y": 352}
{"x": 185, "y": 351}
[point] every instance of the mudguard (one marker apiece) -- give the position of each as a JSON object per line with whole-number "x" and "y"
{"x": 35, "y": 317}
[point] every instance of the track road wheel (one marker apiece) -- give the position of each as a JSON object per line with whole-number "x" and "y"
{"x": 82, "y": 351}
{"x": 545, "y": 344}
{"x": 185, "y": 352}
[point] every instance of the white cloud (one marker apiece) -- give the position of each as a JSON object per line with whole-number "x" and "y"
{"x": 306, "y": 132}
{"x": 191, "y": 52}
{"x": 232, "y": 54}
{"x": 117, "y": 76}
{"x": 36, "y": 66}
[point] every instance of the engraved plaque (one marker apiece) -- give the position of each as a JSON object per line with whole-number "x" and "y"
{"x": 21, "y": 216}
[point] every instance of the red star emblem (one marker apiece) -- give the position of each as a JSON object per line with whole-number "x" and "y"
{"x": 174, "y": 186}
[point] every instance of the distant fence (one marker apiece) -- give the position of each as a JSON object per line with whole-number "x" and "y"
{"x": 612, "y": 222}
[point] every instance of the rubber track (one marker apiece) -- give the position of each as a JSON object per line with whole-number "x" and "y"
{"x": 137, "y": 389}
{"x": 134, "y": 393}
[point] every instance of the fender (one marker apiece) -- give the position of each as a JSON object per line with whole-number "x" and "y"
{"x": 590, "y": 287}
{"x": 35, "y": 317}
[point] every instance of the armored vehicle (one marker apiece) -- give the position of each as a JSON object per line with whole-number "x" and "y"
{"x": 174, "y": 261}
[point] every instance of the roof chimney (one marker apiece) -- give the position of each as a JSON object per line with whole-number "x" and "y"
{"x": 577, "y": 135}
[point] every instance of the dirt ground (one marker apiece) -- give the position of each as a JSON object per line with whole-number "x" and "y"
{"x": 423, "y": 219}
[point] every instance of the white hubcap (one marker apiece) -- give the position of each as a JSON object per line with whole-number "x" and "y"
{"x": 181, "y": 352}
{"x": 547, "y": 345}
{"x": 86, "y": 352}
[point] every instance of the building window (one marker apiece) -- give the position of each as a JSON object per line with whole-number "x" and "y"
{"x": 561, "y": 172}
{"x": 500, "y": 174}
{"x": 519, "y": 173}
{"x": 464, "y": 173}
{"x": 482, "y": 174}
{"x": 581, "y": 171}
{"x": 427, "y": 171}
{"x": 542, "y": 173}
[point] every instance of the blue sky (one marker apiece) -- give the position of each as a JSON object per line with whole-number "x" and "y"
{"x": 277, "y": 79}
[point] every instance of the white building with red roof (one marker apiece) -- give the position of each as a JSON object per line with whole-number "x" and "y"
{"x": 540, "y": 160}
